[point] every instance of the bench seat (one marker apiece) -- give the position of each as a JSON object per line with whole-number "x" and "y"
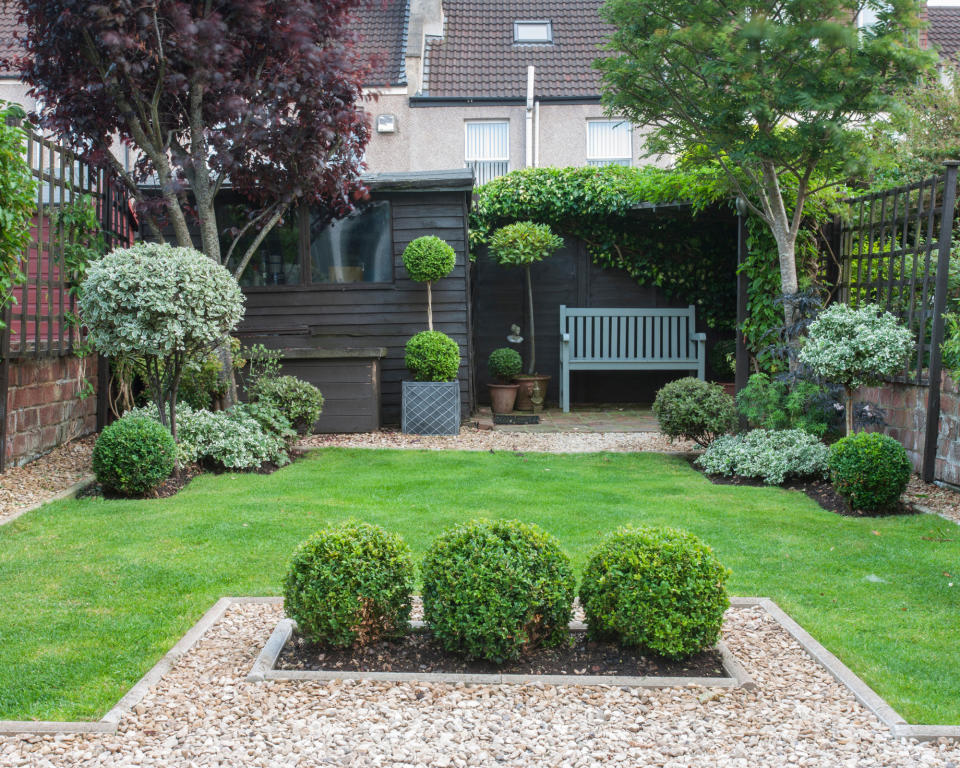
{"x": 628, "y": 339}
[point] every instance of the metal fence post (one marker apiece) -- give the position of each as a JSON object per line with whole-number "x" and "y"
{"x": 935, "y": 368}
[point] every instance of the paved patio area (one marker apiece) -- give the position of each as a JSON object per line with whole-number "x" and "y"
{"x": 585, "y": 419}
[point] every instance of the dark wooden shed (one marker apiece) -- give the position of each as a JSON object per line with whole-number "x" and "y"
{"x": 339, "y": 303}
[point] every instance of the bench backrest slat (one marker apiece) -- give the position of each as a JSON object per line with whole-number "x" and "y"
{"x": 630, "y": 334}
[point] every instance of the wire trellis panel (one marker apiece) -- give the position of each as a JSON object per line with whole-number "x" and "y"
{"x": 887, "y": 246}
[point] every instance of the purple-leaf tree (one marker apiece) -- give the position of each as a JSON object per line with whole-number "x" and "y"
{"x": 261, "y": 96}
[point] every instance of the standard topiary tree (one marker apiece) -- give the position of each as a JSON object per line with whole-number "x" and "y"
{"x": 432, "y": 356}
{"x": 350, "y": 585}
{"x": 494, "y": 589}
{"x": 520, "y": 245}
{"x": 695, "y": 410}
{"x": 856, "y": 348}
{"x": 427, "y": 260}
{"x": 134, "y": 455}
{"x": 658, "y": 588}
{"x": 161, "y": 306}
{"x": 870, "y": 470}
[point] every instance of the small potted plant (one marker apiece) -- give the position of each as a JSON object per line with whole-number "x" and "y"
{"x": 520, "y": 245}
{"x": 503, "y": 364}
{"x": 431, "y": 402}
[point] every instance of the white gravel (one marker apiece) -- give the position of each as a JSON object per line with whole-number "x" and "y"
{"x": 473, "y": 439}
{"x": 203, "y": 713}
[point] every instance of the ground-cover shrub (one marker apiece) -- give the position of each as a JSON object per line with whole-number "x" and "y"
{"x": 299, "y": 401}
{"x": 504, "y": 363}
{"x": 269, "y": 417}
{"x": 350, "y": 585}
{"x": 432, "y": 356}
{"x": 870, "y": 470}
{"x": 231, "y": 439}
{"x": 493, "y": 589}
{"x": 133, "y": 455}
{"x": 775, "y": 404}
{"x": 694, "y": 410}
{"x": 658, "y": 588}
{"x": 771, "y": 455}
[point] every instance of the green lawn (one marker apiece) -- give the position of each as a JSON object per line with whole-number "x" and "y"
{"x": 93, "y": 592}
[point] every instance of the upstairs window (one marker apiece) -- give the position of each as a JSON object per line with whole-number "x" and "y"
{"x": 532, "y": 32}
{"x": 488, "y": 149}
{"x": 609, "y": 142}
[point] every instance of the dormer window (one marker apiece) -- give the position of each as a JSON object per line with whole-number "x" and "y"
{"x": 533, "y": 32}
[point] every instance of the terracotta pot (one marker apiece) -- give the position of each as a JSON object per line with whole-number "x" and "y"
{"x": 525, "y": 393}
{"x": 730, "y": 389}
{"x": 502, "y": 397}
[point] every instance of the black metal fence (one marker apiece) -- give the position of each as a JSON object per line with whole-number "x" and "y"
{"x": 892, "y": 248}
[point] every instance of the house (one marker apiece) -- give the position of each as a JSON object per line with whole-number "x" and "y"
{"x": 492, "y": 85}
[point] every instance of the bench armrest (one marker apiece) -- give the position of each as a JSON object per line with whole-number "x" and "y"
{"x": 565, "y": 338}
{"x": 698, "y": 337}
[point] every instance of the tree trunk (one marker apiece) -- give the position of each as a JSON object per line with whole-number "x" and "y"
{"x": 429, "y": 307}
{"x": 532, "y": 365}
{"x": 848, "y": 410}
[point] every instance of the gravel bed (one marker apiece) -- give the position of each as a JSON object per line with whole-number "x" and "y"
{"x": 203, "y": 713}
{"x": 473, "y": 439}
{"x": 22, "y": 487}
{"x": 942, "y": 501}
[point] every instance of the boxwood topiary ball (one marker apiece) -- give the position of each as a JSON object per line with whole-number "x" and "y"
{"x": 694, "y": 410}
{"x": 432, "y": 356}
{"x": 870, "y": 470}
{"x": 350, "y": 585}
{"x": 658, "y": 588}
{"x": 504, "y": 363}
{"x": 133, "y": 456}
{"x": 493, "y": 589}
{"x": 428, "y": 259}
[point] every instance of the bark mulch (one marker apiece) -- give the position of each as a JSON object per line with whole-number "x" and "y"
{"x": 418, "y": 651}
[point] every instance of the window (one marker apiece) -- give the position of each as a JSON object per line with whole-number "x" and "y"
{"x": 357, "y": 249}
{"x": 609, "y": 142}
{"x": 532, "y": 32}
{"x": 277, "y": 260}
{"x": 488, "y": 149}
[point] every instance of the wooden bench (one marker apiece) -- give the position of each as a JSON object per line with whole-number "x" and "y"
{"x": 628, "y": 339}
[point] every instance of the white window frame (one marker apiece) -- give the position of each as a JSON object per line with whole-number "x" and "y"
{"x": 620, "y": 159}
{"x": 520, "y": 40}
{"x": 486, "y": 168}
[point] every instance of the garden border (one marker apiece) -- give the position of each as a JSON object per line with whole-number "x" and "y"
{"x": 264, "y": 668}
{"x": 67, "y": 493}
{"x": 108, "y": 724}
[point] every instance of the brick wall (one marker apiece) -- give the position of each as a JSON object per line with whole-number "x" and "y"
{"x": 43, "y": 410}
{"x": 905, "y": 407}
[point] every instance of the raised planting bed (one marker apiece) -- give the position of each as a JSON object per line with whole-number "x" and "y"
{"x": 417, "y": 656}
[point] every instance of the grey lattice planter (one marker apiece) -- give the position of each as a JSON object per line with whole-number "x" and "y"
{"x": 431, "y": 408}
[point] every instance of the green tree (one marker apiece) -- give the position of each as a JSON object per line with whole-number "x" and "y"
{"x": 777, "y": 93}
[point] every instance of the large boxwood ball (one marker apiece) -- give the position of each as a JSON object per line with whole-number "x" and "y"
{"x": 870, "y": 470}
{"x": 492, "y": 590}
{"x": 695, "y": 410}
{"x": 657, "y": 588}
{"x": 432, "y": 356}
{"x": 133, "y": 456}
{"x": 429, "y": 259}
{"x": 350, "y": 585}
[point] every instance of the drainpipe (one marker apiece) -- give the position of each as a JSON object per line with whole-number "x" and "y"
{"x": 536, "y": 134}
{"x": 528, "y": 158}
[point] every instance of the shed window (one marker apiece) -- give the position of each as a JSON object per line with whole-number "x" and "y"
{"x": 277, "y": 260}
{"x": 488, "y": 148}
{"x": 532, "y": 32}
{"x": 609, "y": 142}
{"x": 357, "y": 249}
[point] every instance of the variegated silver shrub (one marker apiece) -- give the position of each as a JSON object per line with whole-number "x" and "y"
{"x": 770, "y": 455}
